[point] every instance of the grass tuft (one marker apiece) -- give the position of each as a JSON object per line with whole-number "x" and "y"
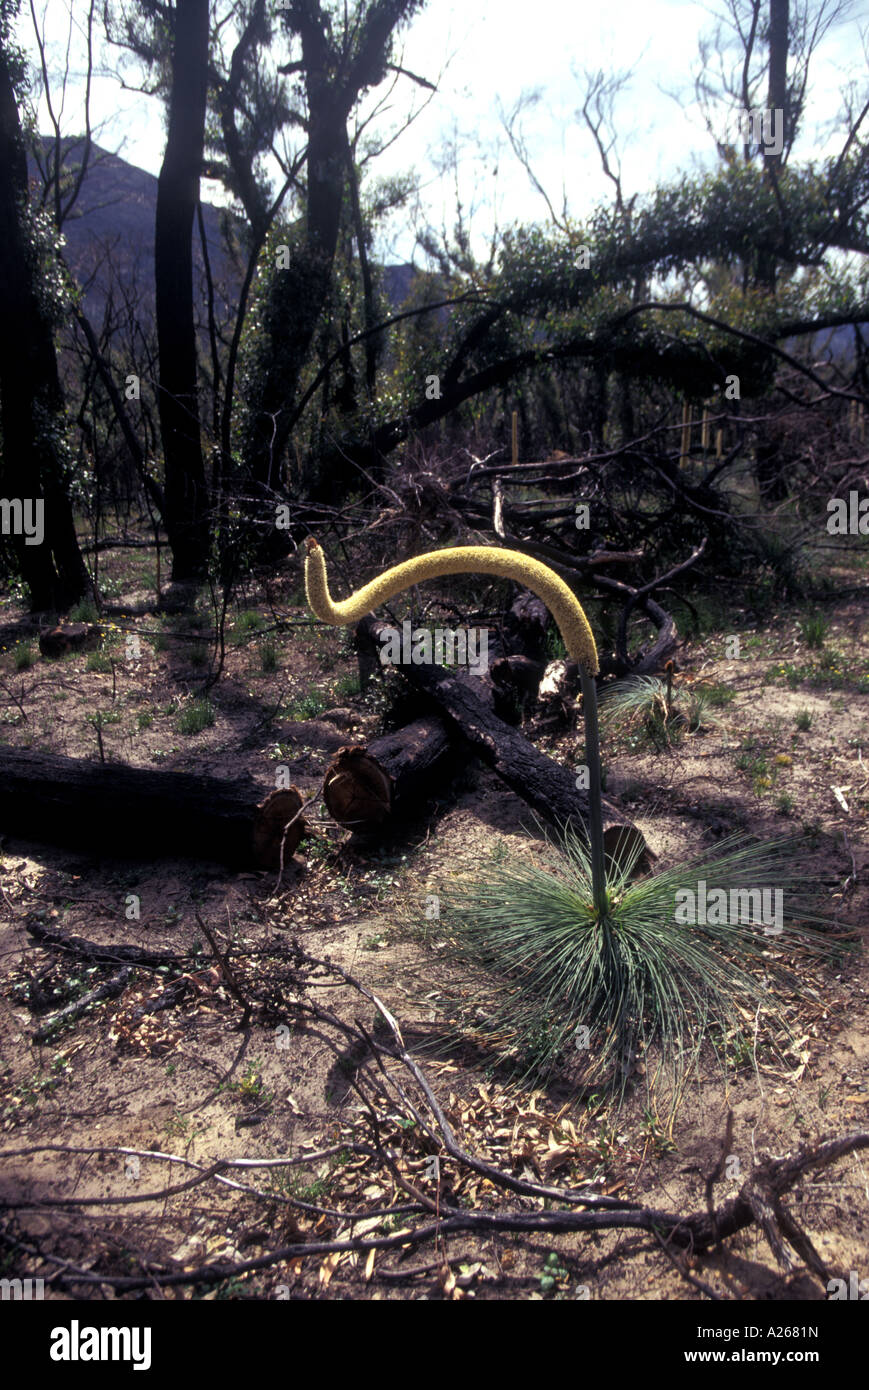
{"x": 589, "y": 995}
{"x": 196, "y": 716}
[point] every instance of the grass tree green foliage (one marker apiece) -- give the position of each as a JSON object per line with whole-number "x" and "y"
{"x": 570, "y": 989}
{"x": 658, "y": 708}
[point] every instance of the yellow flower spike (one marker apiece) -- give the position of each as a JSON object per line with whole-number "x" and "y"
{"x": 461, "y": 559}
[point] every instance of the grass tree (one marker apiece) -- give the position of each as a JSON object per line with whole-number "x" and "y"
{"x": 586, "y": 950}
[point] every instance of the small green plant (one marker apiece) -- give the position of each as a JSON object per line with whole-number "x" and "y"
{"x": 742, "y": 1049}
{"x": 22, "y": 656}
{"x": 98, "y": 661}
{"x": 376, "y": 942}
{"x": 657, "y": 1134}
{"x": 196, "y": 716}
{"x": 717, "y": 695}
{"x": 84, "y": 612}
{"x": 101, "y": 717}
{"x": 307, "y": 706}
{"x": 785, "y": 804}
{"x": 250, "y": 1087}
{"x": 268, "y": 655}
{"x": 814, "y": 629}
{"x": 754, "y": 762}
{"x": 553, "y": 1272}
{"x": 832, "y": 660}
{"x": 555, "y": 648}
{"x": 245, "y": 625}
{"x": 347, "y": 686}
{"x": 651, "y": 706}
{"x": 804, "y": 720}
{"x": 144, "y": 720}
{"x": 823, "y": 1094}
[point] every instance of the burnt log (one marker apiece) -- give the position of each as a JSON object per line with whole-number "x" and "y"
{"x": 137, "y": 813}
{"x": 367, "y": 786}
{"x": 545, "y": 786}
{"x": 55, "y": 642}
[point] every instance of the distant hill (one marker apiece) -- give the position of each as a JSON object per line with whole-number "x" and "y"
{"x": 110, "y": 240}
{"x": 110, "y": 235}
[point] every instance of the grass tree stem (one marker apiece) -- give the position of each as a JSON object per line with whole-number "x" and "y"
{"x": 595, "y": 810}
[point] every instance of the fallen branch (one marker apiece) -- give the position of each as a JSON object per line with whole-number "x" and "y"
{"x": 109, "y": 990}
{"x": 52, "y": 939}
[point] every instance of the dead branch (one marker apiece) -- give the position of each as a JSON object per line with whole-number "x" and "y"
{"x": 109, "y": 990}
{"x": 52, "y": 939}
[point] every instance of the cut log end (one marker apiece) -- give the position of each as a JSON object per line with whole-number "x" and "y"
{"x": 69, "y": 637}
{"x": 356, "y": 789}
{"x": 624, "y": 842}
{"x": 270, "y": 819}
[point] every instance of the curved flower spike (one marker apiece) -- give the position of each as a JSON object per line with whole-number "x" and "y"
{"x": 461, "y": 559}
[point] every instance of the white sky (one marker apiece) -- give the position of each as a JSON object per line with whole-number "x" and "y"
{"x": 496, "y": 53}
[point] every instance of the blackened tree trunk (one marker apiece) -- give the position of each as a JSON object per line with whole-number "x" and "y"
{"x": 338, "y": 67}
{"x": 777, "y": 100}
{"x": 777, "y": 104}
{"x": 31, "y": 414}
{"x": 186, "y": 514}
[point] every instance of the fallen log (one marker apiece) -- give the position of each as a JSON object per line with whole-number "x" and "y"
{"x": 543, "y": 784}
{"x": 110, "y": 990}
{"x": 365, "y": 786}
{"x": 136, "y": 813}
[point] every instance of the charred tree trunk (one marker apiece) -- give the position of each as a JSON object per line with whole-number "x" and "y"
{"x": 31, "y": 400}
{"x": 186, "y": 514}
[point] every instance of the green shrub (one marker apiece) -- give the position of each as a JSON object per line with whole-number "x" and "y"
{"x": 245, "y": 625}
{"x": 347, "y": 686}
{"x": 307, "y": 706}
{"x": 84, "y": 612}
{"x": 196, "y": 716}
{"x": 268, "y": 655}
